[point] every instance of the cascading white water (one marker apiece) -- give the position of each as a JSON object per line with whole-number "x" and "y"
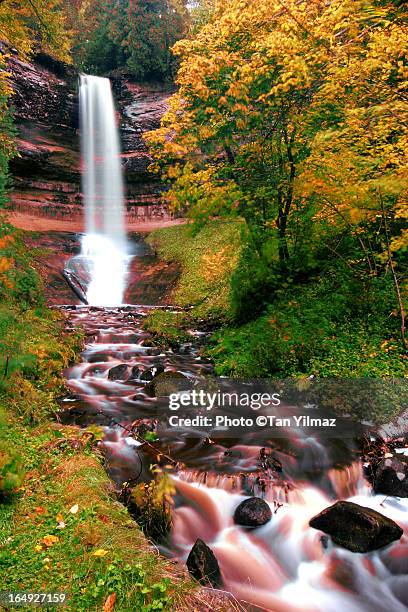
{"x": 104, "y": 246}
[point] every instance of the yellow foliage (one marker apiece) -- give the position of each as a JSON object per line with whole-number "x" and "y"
{"x": 30, "y": 24}
{"x": 326, "y": 80}
{"x": 214, "y": 264}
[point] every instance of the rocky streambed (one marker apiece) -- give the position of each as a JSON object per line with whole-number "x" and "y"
{"x": 296, "y": 523}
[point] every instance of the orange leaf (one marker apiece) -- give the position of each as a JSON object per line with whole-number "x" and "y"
{"x": 49, "y": 540}
{"x": 109, "y": 603}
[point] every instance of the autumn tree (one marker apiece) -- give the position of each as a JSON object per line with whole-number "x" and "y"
{"x": 291, "y": 115}
{"x": 30, "y": 25}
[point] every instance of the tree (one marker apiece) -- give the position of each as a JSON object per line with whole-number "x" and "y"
{"x": 136, "y": 35}
{"x": 290, "y": 114}
{"x": 30, "y": 25}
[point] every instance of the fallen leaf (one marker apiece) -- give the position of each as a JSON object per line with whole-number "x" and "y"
{"x": 109, "y": 603}
{"x": 61, "y": 525}
{"x": 100, "y": 552}
{"x": 49, "y": 540}
{"x": 38, "y": 548}
{"x": 40, "y": 510}
{"x": 104, "y": 518}
{"x": 74, "y": 509}
{"x": 59, "y": 517}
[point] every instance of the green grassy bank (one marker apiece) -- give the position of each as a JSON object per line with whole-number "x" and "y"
{"x": 330, "y": 324}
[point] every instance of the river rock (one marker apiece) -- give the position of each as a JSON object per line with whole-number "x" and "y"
{"x": 355, "y": 527}
{"x": 166, "y": 383}
{"x": 155, "y": 370}
{"x": 391, "y": 477}
{"x": 203, "y": 565}
{"x": 252, "y": 512}
{"x": 135, "y": 373}
{"x": 118, "y": 372}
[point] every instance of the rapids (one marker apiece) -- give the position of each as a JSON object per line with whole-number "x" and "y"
{"x": 284, "y": 565}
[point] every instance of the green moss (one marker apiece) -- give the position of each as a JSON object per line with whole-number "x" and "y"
{"x": 208, "y": 258}
{"x": 168, "y": 328}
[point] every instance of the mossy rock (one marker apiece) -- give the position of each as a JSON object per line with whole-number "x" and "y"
{"x": 166, "y": 383}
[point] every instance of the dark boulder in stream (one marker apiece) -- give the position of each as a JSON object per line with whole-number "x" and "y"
{"x": 166, "y": 383}
{"x": 155, "y": 370}
{"x": 203, "y": 565}
{"x": 119, "y": 372}
{"x": 391, "y": 477}
{"x": 252, "y": 512}
{"x": 355, "y": 527}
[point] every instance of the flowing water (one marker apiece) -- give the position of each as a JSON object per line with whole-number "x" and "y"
{"x": 103, "y": 263}
{"x": 282, "y": 566}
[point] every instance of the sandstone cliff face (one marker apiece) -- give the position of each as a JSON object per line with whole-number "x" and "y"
{"x": 47, "y": 171}
{"x": 141, "y": 108}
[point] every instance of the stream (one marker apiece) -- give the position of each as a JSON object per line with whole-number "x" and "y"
{"x": 284, "y": 565}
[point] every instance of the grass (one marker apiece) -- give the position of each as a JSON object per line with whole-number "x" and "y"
{"x": 63, "y": 531}
{"x": 207, "y": 258}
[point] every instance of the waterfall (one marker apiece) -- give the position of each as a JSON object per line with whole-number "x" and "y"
{"x": 104, "y": 246}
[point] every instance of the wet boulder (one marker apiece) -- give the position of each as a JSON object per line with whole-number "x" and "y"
{"x": 97, "y": 358}
{"x": 135, "y": 373}
{"x": 355, "y": 527}
{"x": 166, "y": 383}
{"x": 203, "y": 565}
{"x": 118, "y": 372}
{"x": 391, "y": 477}
{"x": 252, "y": 512}
{"x": 153, "y": 352}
